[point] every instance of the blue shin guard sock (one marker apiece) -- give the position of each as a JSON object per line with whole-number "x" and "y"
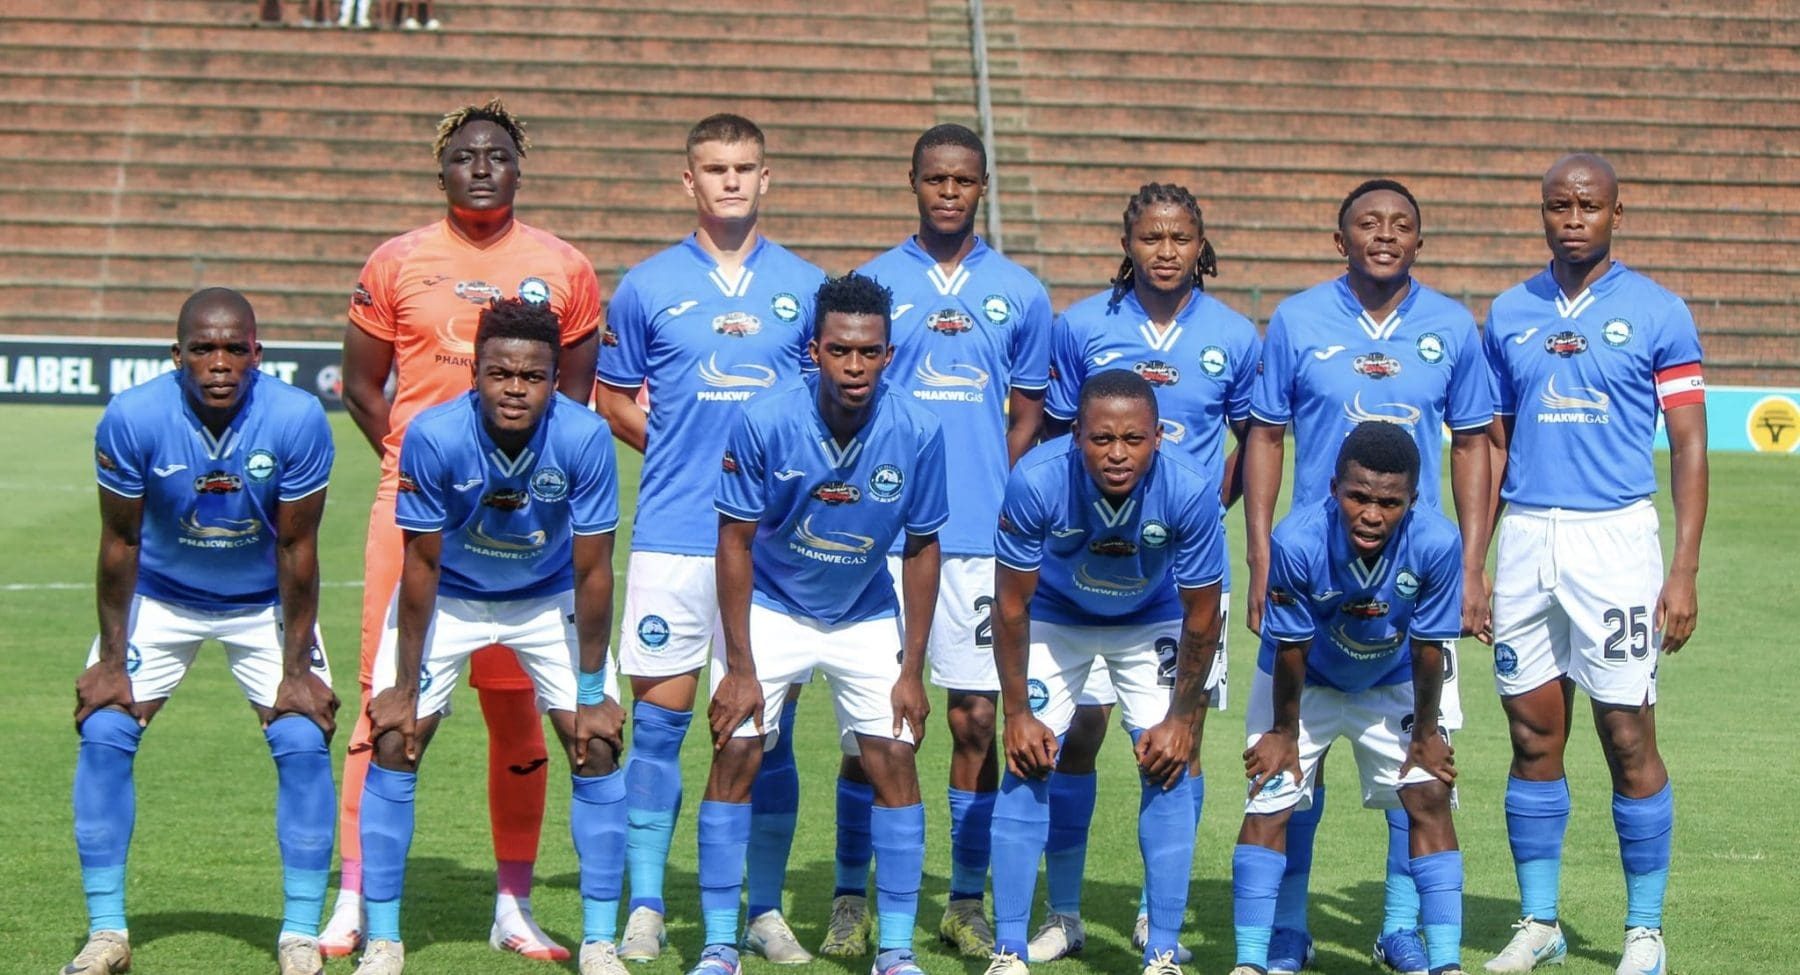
{"x": 724, "y": 833}
{"x": 1537, "y": 815}
{"x": 1255, "y": 882}
{"x": 854, "y": 800}
{"x": 971, "y": 842}
{"x": 898, "y": 837}
{"x": 774, "y": 802}
{"x": 1646, "y": 829}
{"x": 1065, "y": 846}
{"x": 105, "y": 798}
{"x": 1440, "y": 880}
{"x": 305, "y": 816}
{"x": 1401, "y": 908}
{"x": 1166, "y": 839}
{"x": 652, "y": 798}
{"x": 1196, "y": 786}
{"x": 387, "y": 831}
{"x": 1022, "y": 813}
{"x": 597, "y": 824}
{"x": 1290, "y": 905}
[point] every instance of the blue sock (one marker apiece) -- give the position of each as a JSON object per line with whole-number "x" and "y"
{"x": 724, "y": 833}
{"x": 1196, "y": 785}
{"x": 652, "y": 798}
{"x": 1402, "y": 905}
{"x": 1290, "y": 904}
{"x": 971, "y": 842}
{"x": 387, "y": 831}
{"x": 854, "y": 800}
{"x": 774, "y": 801}
{"x": 597, "y": 824}
{"x": 898, "y": 837}
{"x": 1255, "y": 882}
{"x": 105, "y": 812}
{"x": 1537, "y": 814}
{"x": 1440, "y": 880}
{"x": 1166, "y": 840}
{"x": 305, "y": 818}
{"x": 1071, "y": 800}
{"x": 1646, "y": 829}
{"x": 1022, "y": 813}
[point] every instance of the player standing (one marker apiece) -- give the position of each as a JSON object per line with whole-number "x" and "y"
{"x": 1364, "y": 593}
{"x": 818, "y": 480}
{"x": 1584, "y": 355}
{"x": 212, "y": 483}
{"x": 708, "y": 324}
{"x": 972, "y": 346}
{"x": 508, "y": 499}
{"x": 1372, "y": 344}
{"x": 414, "y": 314}
{"x": 1200, "y": 358}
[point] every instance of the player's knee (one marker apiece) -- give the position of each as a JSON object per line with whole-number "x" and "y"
{"x": 734, "y": 769}
{"x": 602, "y": 759}
{"x": 972, "y": 721}
{"x": 1426, "y": 803}
{"x": 850, "y": 768}
{"x": 293, "y": 735}
{"x": 390, "y": 753}
{"x": 1265, "y": 829}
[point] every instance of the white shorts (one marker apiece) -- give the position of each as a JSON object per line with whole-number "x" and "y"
{"x": 540, "y": 633}
{"x": 161, "y": 640}
{"x": 1141, "y": 660}
{"x": 961, "y": 647}
{"x": 1099, "y": 691}
{"x": 1377, "y": 721}
{"x": 670, "y": 622}
{"x": 860, "y": 660}
{"x": 1575, "y": 593}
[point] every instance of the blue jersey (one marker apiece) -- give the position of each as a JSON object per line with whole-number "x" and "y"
{"x": 1579, "y": 376}
{"x": 1203, "y": 367}
{"x": 826, "y": 513}
{"x": 507, "y": 522}
{"x": 1360, "y": 618}
{"x": 962, "y": 343}
{"x": 704, "y": 344}
{"x": 1328, "y": 365}
{"x": 1101, "y": 564}
{"x": 207, "y": 538}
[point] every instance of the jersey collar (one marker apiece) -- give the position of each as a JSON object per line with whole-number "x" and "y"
{"x": 946, "y": 284}
{"x": 1092, "y": 500}
{"x": 1344, "y": 557}
{"x": 841, "y": 458}
{"x": 1384, "y": 329}
{"x": 730, "y": 288}
{"x": 512, "y": 229}
{"x": 492, "y": 454}
{"x": 1571, "y": 308}
{"x": 221, "y": 446}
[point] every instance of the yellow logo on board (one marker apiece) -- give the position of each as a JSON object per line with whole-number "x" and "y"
{"x": 1774, "y": 425}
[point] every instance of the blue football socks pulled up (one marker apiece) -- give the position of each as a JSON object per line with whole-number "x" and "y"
{"x": 1022, "y": 815}
{"x": 1303, "y": 826}
{"x": 1440, "y": 880}
{"x": 597, "y": 825}
{"x": 1255, "y": 881}
{"x": 1537, "y": 815}
{"x": 971, "y": 839}
{"x": 724, "y": 833}
{"x": 1071, "y": 799}
{"x": 652, "y": 798}
{"x": 105, "y": 812}
{"x": 774, "y": 803}
{"x": 854, "y": 800}
{"x": 1166, "y": 841}
{"x": 1401, "y": 908}
{"x": 1196, "y": 786}
{"x": 387, "y": 831}
{"x": 305, "y": 816}
{"x": 898, "y": 836}
{"x": 1646, "y": 831}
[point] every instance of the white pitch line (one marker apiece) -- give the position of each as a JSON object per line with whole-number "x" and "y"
{"x": 57, "y": 586}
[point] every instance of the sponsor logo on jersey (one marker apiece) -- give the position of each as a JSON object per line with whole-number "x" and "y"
{"x": 785, "y": 307}
{"x": 1007, "y": 526}
{"x": 837, "y": 547}
{"x": 608, "y": 337}
{"x": 1401, "y": 414}
{"x": 1581, "y": 404}
{"x": 1157, "y": 372}
{"x": 737, "y": 324}
{"x": 1373, "y": 649}
{"x": 260, "y": 465}
{"x": 534, "y": 291}
{"x": 1319, "y": 354}
{"x": 962, "y": 383}
{"x": 407, "y": 484}
{"x": 1367, "y": 608}
{"x": 996, "y": 309}
{"x": 1431, "y": 348}
{"x": 1037, "y": 694}
{"x": 1154, "y": 534}
{"x": 470, "y": 484}
{"x": 1172, "y": 430}
{"x": 105, "y": 460}
{"x": 681, "y": 309}
{"x": 949, "y": 321}
{"x": 1376, "y": 365}
{"x": 1282, "y": 597}
{"x": 1406, "y": 584}
{"x": 732, "y": 385}
{"x": 885, "y": 483}
{"x": 729, "y": 464}
{"x": 477, "y": 292}
{"x": 1616, "y": 332}
{"x": 1106, "y": 358}
{"x": 836, "y": 493}
{"x": 481, "y": 541}
{"x": 506, "y": 499}
{"x": 218, "y": 482}
{"x": 1213, "y": 361}
{"x": 549, "y": 485}
{"x": 1566, "y": 343}
{"x": 1506, "y": 660}
{"x": 653, "y": 632}
{"x": 360, "y": 296}
{"x": 789, "y": 474}
{"x": 170, "y": 470}
{"x": 1113, "y": 547}
{"x": 1088, "y": 582}
{"x": 1773, "y": 425}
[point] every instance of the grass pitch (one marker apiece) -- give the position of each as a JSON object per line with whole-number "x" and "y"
{"x": 204, "y": 889}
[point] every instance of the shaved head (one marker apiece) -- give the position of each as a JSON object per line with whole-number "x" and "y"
{"x": 1600, "y": 176}
{"x": 215, "y": 306}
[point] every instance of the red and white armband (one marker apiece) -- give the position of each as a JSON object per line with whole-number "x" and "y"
{"x": 1680, "y": 386}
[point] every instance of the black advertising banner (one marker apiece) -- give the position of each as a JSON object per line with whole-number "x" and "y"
{"x": 48, "y": 369}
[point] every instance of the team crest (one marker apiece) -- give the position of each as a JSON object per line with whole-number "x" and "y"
{"x": 1037, "y": 694}
{"x": 477, "y": 292}
{"x": 134, "y": 658}
{"x": 1113, "y": 547}
{"x": 1376, "y": 365}
{"x": 996, "y": 309}
{"x": 534, "y": 291}
{"x": 259, "y": 466}
{"x": 218, "y": 482}
{"x": 1406, "y": 584}
{"x": 737, "y": 324}
{"x": 549, "y": 485}
{"x": 1213, "y": 361}
{"x": 506, "y": 499}
{"x": 1566, "y": 344}
{"x": 1506, "y": 660}
{"x": 1431, "y": 348}
{"x": 1364, "y": 609}
{"x": 949, "y": 321}
{"x": 1616, "y": 332}
{"x": 785, "y": 307}
{"x": 653, "y": 632}
{"x": 1157, "y": 372}
{"x": 1155, "y": 534}
{"x": 885, "y": 482}
{"x": 836, "y": 493}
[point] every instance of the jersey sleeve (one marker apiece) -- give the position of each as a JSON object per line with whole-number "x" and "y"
{"x": 1200, "y": 552}
{"x": 1471, "y": 403}
{"x": 1271, "y": 397}
{"x": 306, "y": 468}
{"x": 1243, "y": 378}
{"x": 622, "y": 359}
{"x": 743, "y": 477}
{"x": 1031, "y": 342}
{"x": 1019, "y": 538}
{"x": 1067, "y": 370}
{"x": 1677, "y": 339}
{"x": 419, "y": 502}
{"x": 372, "y": 304}
{"x": 118, "y": 462}
{"x": 1437, "y": 615}
{"x": 928, "y": 508}
{"x": 580, "y": 314}
{"x": 1506, "y": 399}
{"x": 594, "y": 497}
{"x": 1287, "y": 618}
{"x": 808, "y": 308}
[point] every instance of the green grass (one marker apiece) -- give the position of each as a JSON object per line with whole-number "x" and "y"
{"x": 205, "y": 887}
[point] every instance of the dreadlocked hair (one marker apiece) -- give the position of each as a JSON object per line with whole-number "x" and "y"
{"x": 494, "y": 111}
{"x": 1153, "y": 194}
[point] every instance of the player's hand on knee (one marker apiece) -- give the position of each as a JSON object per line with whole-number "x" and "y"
{"x": 394, "y": 710}
{"x": 911, "y": 708}
{"x": 738, "y": 699}
{"x": 310, "y": 697}
{"x": 1274, "y": 753}
{"x": 1030, "y": 747}
{"x": 604, "y": 722}
{"x": 104, "y": 685}
{"x": 1164, "y": 751}
{"x": 1431, "y": 752}
{"x": 1677, "y": 610}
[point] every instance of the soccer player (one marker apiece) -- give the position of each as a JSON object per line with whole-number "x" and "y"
{"x": 212, "y": 483}
{"x": 818, "y": 479}
{"x": 1364, "y": 591}
{"x": 508, "y": 499}
{"x": 707, "y": 325}
{"x": 1373, "y": 344}
{"x": 1109, "y": 555}
{"x": 1200, "y": 358}
{"x": 413, "y": 314}
{"x": 971, "y": 345}
{"x": 1584, "y": 355}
